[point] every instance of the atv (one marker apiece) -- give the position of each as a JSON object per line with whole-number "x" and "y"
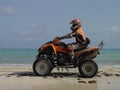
{"x": 55, "y": 54}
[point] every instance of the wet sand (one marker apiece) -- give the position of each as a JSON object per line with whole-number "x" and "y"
{"x": 23, "y": 78}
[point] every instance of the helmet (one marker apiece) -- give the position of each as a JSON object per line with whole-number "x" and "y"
{"x": 76, "y": 23}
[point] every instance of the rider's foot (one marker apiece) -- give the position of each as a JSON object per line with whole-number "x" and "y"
{"x": 71, "y": 54}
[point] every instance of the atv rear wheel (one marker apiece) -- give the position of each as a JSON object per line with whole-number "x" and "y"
{"x": 88, "y": 68}
{"x": 42, "y": 67}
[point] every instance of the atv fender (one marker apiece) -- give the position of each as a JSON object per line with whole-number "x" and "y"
{"x": 47, "y": 46}
{"x": 87, "y": 50}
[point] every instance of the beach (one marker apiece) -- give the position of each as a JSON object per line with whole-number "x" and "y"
{"x": 16, "y": 73}
{"x": 21, "y": 77}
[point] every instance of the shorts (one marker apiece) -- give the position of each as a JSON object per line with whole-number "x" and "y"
{"x": 76, "y": 46}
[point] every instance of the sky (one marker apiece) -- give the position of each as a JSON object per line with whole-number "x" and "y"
{"x": 31, "y": 23}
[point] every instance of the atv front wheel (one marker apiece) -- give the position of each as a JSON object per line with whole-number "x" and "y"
{"x": 42, "y": 67}
{"x": 88, "y": 68}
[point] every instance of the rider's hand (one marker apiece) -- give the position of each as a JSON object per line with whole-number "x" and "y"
{"x": 56, "y": 40}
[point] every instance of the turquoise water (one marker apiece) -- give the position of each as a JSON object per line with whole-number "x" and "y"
{"x": 17, "y": 56}
{"x": 27, "y": 56}
{"x": 108, "y": 57}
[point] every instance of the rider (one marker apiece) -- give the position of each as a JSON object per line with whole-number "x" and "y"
{"x": 77, "y": 32}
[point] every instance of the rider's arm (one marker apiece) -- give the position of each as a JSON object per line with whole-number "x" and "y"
{"x": 70, "y": 35}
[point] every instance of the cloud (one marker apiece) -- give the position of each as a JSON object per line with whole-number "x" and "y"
{"x": 8, "y": 10}
{"x": 29, "y": 35}
{"x": 115, "y": 29}
{"x": 37, "y": 27}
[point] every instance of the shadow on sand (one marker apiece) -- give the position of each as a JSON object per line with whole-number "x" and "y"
{"x": 54, "y": 74}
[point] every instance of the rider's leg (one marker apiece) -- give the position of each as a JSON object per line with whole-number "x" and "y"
{"x": 75, "y": 46}
{"x": 71, "y": 51}
{"x": 71, "y": 48}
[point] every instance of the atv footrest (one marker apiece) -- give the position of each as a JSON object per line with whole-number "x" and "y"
{"x": 70, "y": 66}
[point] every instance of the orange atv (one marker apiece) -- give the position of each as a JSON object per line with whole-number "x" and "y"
{"x": 55, "y": 54}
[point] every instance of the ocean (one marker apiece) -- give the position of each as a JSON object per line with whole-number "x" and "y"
{"x": 107, "y": 57}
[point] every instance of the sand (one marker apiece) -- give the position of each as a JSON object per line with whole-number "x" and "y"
{"x": 23, "y": 78}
